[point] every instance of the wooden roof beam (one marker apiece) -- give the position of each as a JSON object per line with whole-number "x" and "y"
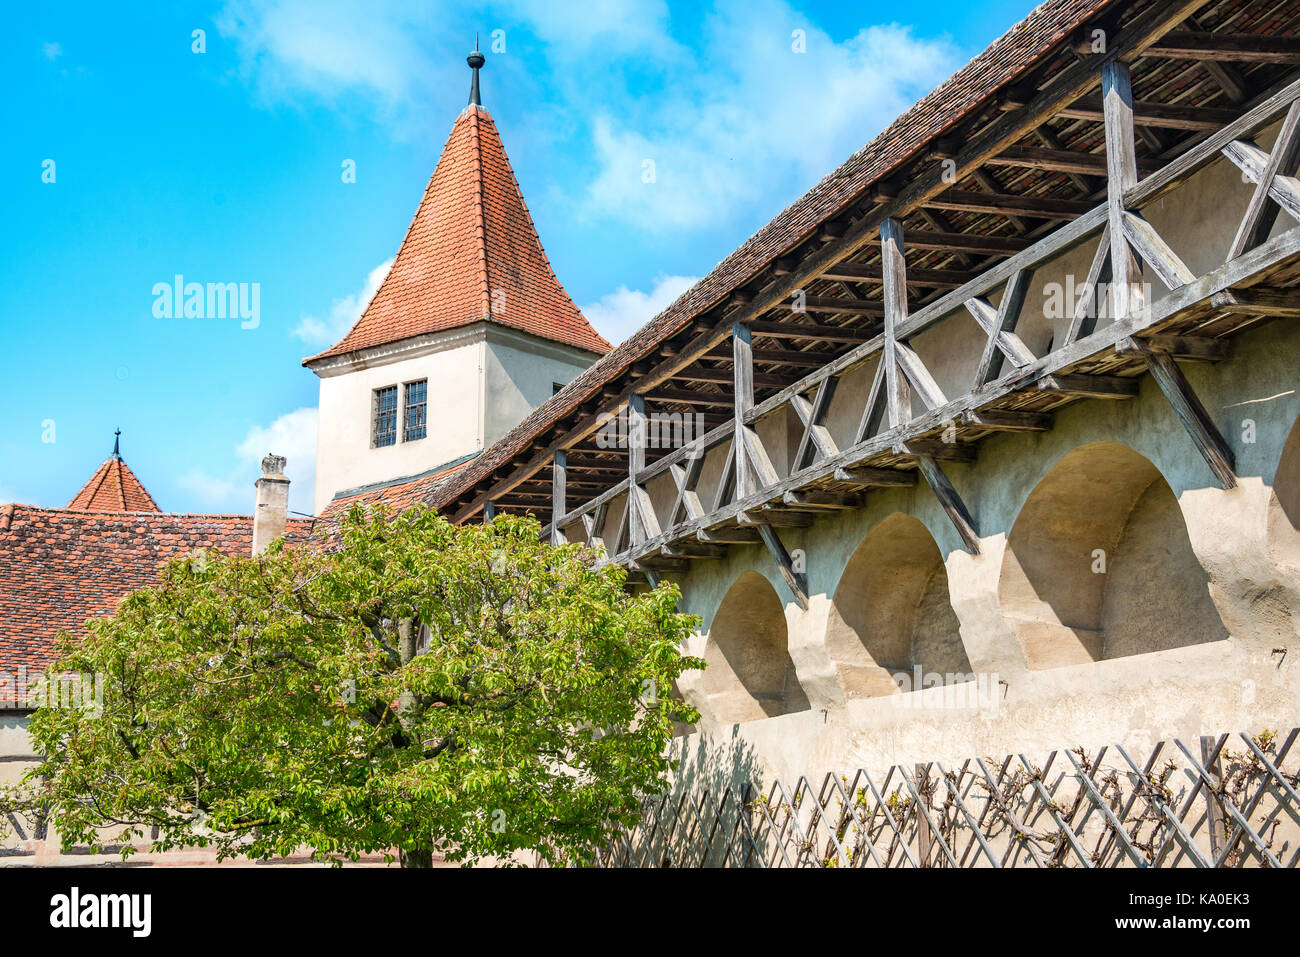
{"x": 843, "y": 307}
{"x": 1169, "y": 116}
{"x": 1241, "y": 47}
{"x": 809, "y": 330}
{"x": 1059, "y": 161}
{"x": 1007, "y": 204}
{"x": 873, "y": 273}
{"x": 724, "y": 376}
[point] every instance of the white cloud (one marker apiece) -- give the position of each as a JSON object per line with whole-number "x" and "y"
{"x": 618, "y": 314}
{"x": 761, "y": 120}
{"x": 292, "y": 435}
{"x": 731, "y": 115}
{"x": 324, "y": 46}
{"x": 52, "y": 51}
{"x": 343, "y": 312}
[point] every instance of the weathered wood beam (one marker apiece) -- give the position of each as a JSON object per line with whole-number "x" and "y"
{"x": 729, "y": 535}
{"x": 1007, "y": 204}
{"x": 743, "y": 389}
{"x": 636, "y": 444}
{"x": 842, "y": 307}
{"x": 687, "y": 480}
{"x": 1169, "y": 116}
{"x": 777, "y": 518}
{"x": 787, "y": 357}
{"x": 1090, "y": 386}
{"x": 812, "y": 414}
{"x": 1001, "y": 420}
{"x": 795, "y": 580}
{"x": 724, "y": 376}
{"x": 1121, "y": 161}
{"x": 1257, "y": 301}
{"x": 999, "y": 325}
{"x": 808, "y": 330}
{"x": 868, "y": 477}
{"x": 873, "y": 273}
{"x": 1261, "y": 214}
{"x": 1084, "y": 319}
{"x": 1231, "y": 81}
{"x": 1084, "y": 183}
{"x": 919, "y": 377}
{"x": 817, "y": 500}
{"x": 1240, "y": 47}
{"x": 593, "y": 523}
{"x": 1193, "y": 348}
{"x": 1152, "y": 248}
{"x": 966, "y": 242}
{"x": 693, "y": 549}
{"x": 898, "y": 401}
{"x": 662, "y": 563}
{"x": 559, "y": 489}
{"x": 1252, "y": 161}
{"x": 669, "y": 394}
{"x": 1056, "y": 161}
{"x": 1207, "y": 438}
{"x": 936, "y": 449}
{"x": 989, "y": 183}
{"x": 951, "y": 502}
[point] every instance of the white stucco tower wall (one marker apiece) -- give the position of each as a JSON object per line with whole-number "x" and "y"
{"x": 482, "y": 381}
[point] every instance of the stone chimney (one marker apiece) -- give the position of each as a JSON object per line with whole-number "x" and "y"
{"x": 272, "y": 511}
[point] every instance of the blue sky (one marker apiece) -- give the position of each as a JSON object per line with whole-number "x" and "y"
{"x": 225, "y": 165}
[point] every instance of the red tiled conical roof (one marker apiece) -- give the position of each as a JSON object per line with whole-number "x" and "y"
{"x": 471, "y": 253}
{"x": 113, "y": 488}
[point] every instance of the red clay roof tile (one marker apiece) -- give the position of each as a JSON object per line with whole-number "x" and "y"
{"x": 113, "y": 488}
{"x": 470, "y": 254}
{"x": 60, "y": 567}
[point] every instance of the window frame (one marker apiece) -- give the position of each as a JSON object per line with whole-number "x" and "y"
{"x": 423, "y": 405}
{"x": 376, "y": 411}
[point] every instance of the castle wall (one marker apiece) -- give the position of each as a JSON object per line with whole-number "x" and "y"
{"x": 520, "y": 374}
{"x": 1176, "y": 633}
{"x": 453, "y": 363}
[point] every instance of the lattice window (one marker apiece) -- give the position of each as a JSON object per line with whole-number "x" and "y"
{"x": 385, "y": 423}
{"x": 416, "y": 405}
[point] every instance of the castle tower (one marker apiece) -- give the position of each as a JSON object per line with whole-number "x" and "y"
{"x": 469, "y": 332}
{"x": 114, "y": 488}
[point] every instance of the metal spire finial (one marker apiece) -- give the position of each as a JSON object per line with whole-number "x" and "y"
{"x": 475, "y": 61}
{"x": 116, "y": 454}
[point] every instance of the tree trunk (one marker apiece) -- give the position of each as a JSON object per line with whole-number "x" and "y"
{"x": 416, "y": 858}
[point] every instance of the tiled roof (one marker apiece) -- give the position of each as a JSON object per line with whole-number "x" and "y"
{"x": 471, "y": 254}
{"x": 399, "y": 494}
{"x": 1006, "y": 61}
{"x": 114, "y": 488}
{"x": 60, "y": 567}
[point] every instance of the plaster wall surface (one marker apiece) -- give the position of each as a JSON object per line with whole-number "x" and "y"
{"x": 1201, "y": 586}
{"x": 345, "y": 459}
{"x": 520, "y": 373}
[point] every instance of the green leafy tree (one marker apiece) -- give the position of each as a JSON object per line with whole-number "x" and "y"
{"x": 404, "y": 684}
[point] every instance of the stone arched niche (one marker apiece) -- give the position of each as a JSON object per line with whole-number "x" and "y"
{"x": 1284, "y": 507}
{"x": 891, "y": 613}
{"x": 1098, "y": 564}
{"x": 750, "y": 674}
{"x": 680, "y": 728}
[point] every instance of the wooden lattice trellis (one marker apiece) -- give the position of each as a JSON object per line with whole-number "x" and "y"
{"x": 1229, "y": 801}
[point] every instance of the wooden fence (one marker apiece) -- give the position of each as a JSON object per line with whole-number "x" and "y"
{"x": 1229, "y": 801}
